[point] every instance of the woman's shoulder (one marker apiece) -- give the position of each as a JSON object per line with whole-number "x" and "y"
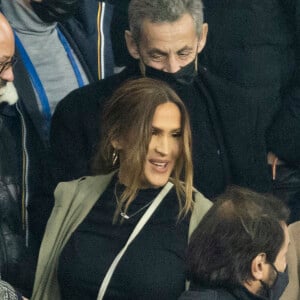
{"x": 200, "y": 201}
{"x": 200, "y": 207}
{"x": 81, "y": 187}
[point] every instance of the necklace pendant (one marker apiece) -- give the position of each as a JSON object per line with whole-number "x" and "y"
{"x": 123, "y": 215}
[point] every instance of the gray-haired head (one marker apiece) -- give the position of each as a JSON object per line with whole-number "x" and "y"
{"x": 159, "y": 11}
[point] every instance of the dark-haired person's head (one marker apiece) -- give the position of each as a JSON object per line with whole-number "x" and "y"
{"x": 166, "y": 35}
{"x": 241, "y": 242}
{"x": 146, "y": 137}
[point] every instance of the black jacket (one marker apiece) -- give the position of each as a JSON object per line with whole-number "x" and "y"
{"x": 76, "y": 125}
{"x": 253, "y": 52}
{"x": 98, "y": 29}
{"x": 25, "y": 196}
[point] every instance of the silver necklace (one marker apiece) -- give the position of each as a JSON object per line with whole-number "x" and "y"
{"x": 123, "y": 214}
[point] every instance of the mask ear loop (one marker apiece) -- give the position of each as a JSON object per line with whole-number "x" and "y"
{"x": 196, "y": 58}
{"x": 141, "y": 64}
{"x": 266, "y": 286}
{"x": 142, "y": 67}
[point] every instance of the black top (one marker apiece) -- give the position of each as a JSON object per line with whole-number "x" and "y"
{"x": 211, "y": 174}
{"x": 152, "y": 267}
{"x": 254, "y": 56}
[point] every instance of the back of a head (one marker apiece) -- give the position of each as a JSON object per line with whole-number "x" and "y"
{"x": 159, "y": 11}
{"x": 240, "y": 225}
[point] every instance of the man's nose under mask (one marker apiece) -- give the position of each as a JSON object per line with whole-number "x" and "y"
{"x": 184, "y": 76}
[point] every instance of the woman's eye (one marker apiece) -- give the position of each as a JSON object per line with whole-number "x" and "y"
{"x": 154, "y": 132}
{"x": 177, "y": 134}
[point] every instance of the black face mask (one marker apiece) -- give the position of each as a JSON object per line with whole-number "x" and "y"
{"x": 50, "y": 11}
{"x": 276, "y": 290}
{"x": 184, "y": 76}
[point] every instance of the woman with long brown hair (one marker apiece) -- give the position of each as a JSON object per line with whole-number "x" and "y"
{"x": 122, "y": 234}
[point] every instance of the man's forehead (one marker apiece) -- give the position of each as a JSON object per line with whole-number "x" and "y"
{"x": 7, "y": 44}
{"x": 182, "y": 25}
{"x": 6, "y": 51}
{"x": 165, "y": 36}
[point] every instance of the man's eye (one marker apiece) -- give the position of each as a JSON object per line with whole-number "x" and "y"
{"x": 156, "y": 57}
{"x": 184, "y": 55}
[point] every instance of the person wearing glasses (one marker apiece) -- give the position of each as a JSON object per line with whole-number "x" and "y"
{"x": 23, "y": 204}
{"x": 5, "y": 84}
{"x": 48, "y": 56}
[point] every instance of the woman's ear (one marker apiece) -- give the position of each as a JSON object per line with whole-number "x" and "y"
{"x": 116, "y": 144}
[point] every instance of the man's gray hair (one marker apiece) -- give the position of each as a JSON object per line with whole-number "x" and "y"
{"x": 159, "y": 11}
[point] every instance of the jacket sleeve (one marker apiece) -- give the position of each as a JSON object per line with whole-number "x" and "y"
{"x": 46, "y": 285}
{"x": 73, "y": 201}
{"x": 283, "y": 137}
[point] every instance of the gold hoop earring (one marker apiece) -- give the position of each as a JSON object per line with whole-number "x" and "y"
{"x": 115, "y": 157}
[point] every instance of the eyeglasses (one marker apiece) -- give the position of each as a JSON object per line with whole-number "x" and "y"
{"x": 8, "y": 64}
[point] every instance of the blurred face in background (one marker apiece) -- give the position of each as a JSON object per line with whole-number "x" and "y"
{"x": 50, "y": 11}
